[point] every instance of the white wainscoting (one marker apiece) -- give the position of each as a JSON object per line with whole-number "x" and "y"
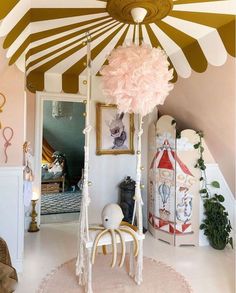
{"x": 214, "y": 174}
{"x": 12, "y": 212}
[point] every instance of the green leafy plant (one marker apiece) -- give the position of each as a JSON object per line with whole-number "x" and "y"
{"x": 216, "y": 225}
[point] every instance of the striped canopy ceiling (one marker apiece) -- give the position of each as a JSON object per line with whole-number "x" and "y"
{"x": 47, "y": 37}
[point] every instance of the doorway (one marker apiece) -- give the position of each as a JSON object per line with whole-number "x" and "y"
{"x": 59, "y": 156}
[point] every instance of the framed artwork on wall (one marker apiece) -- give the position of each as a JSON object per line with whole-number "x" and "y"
{"x": 114, "y": 131}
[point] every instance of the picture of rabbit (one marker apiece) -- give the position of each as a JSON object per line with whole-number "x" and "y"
{"x": 117, "y": 132}
{"x": 114, "y": 131}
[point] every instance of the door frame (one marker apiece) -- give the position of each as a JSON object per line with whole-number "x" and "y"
{"x": 41, "y": 97}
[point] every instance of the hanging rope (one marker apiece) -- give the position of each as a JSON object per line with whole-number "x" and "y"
{"x": 139, "y": 203}
{"x": 83, "y": 220}
{"x": 138, "y": 196}
{"x": 7, "y": 140}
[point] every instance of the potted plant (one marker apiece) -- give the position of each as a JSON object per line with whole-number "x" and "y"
{"x": 216, "y": 224}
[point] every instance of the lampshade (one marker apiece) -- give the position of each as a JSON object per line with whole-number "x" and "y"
{"x": 35, "y": 196}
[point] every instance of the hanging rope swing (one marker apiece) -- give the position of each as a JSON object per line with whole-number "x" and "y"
{"x": 136, "y": 80}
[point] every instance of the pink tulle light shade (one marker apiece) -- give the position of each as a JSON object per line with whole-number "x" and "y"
{"x": 137, "y": 78}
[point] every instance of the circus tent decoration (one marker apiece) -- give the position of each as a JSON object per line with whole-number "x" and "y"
{"x": 166, "y": 162}
{"x": 46, "y": 38}
{"x": 173, "y": 208}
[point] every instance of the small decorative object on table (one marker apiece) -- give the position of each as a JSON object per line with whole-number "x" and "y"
{"x": 33, "y": 224}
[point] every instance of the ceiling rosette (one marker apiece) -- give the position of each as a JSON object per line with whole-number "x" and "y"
{"x": 47, "y": 38}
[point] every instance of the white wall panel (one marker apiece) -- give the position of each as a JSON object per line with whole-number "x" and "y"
{"x": 214, "y": 174}
{"x": 12, "y": 212}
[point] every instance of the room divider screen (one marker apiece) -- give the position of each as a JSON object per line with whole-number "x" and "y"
{"x": 173, "y": 183}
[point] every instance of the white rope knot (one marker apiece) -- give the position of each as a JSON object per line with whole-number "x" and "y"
{"x": 87, "y": 129}
{"x": 138, "y": 197}
{"x": 140, "y": 132}
{"x": 87, "y": 201}
{"x": 139, "y": 200}
{"x": 86, "y": 157}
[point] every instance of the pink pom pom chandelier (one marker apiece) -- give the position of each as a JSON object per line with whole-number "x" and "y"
{"x": 137, "y": 78}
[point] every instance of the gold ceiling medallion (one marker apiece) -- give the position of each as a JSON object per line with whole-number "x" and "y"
{"x": 156, "y": 9}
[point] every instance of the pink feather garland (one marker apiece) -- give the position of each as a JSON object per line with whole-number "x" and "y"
{"x": 137, "y": 78}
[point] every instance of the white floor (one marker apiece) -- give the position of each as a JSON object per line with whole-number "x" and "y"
{"x": 59, "y": 218}
{"x": 207, "y": 270}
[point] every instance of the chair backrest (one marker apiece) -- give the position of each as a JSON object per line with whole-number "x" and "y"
{"x": 5, "y": 257}
{"x": 4, "y": 253}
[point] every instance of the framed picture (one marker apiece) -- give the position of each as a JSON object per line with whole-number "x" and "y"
{"x": 115, "y": 132}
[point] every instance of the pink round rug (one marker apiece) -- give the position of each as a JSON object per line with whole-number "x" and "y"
{"x": 157, "y": 278}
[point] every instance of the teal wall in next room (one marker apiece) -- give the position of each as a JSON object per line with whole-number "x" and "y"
{"x": 66, "y": 135}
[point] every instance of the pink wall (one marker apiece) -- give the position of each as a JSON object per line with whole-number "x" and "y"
{"x": 12, "y": 86}
{"x": 206, "y": 102}
{"x": 30, "y": 118}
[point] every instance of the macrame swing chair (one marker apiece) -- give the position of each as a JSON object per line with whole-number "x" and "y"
{"x": 91, "y": 237}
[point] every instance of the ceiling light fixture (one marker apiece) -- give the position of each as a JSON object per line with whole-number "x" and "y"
{"x": 139, "y": 11}
{"x": 138, "y": 14}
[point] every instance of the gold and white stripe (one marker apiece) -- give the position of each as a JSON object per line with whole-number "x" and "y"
{"x": 47, "y": 37}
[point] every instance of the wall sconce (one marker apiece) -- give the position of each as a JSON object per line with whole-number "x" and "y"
{"x": 33, "y": 227}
